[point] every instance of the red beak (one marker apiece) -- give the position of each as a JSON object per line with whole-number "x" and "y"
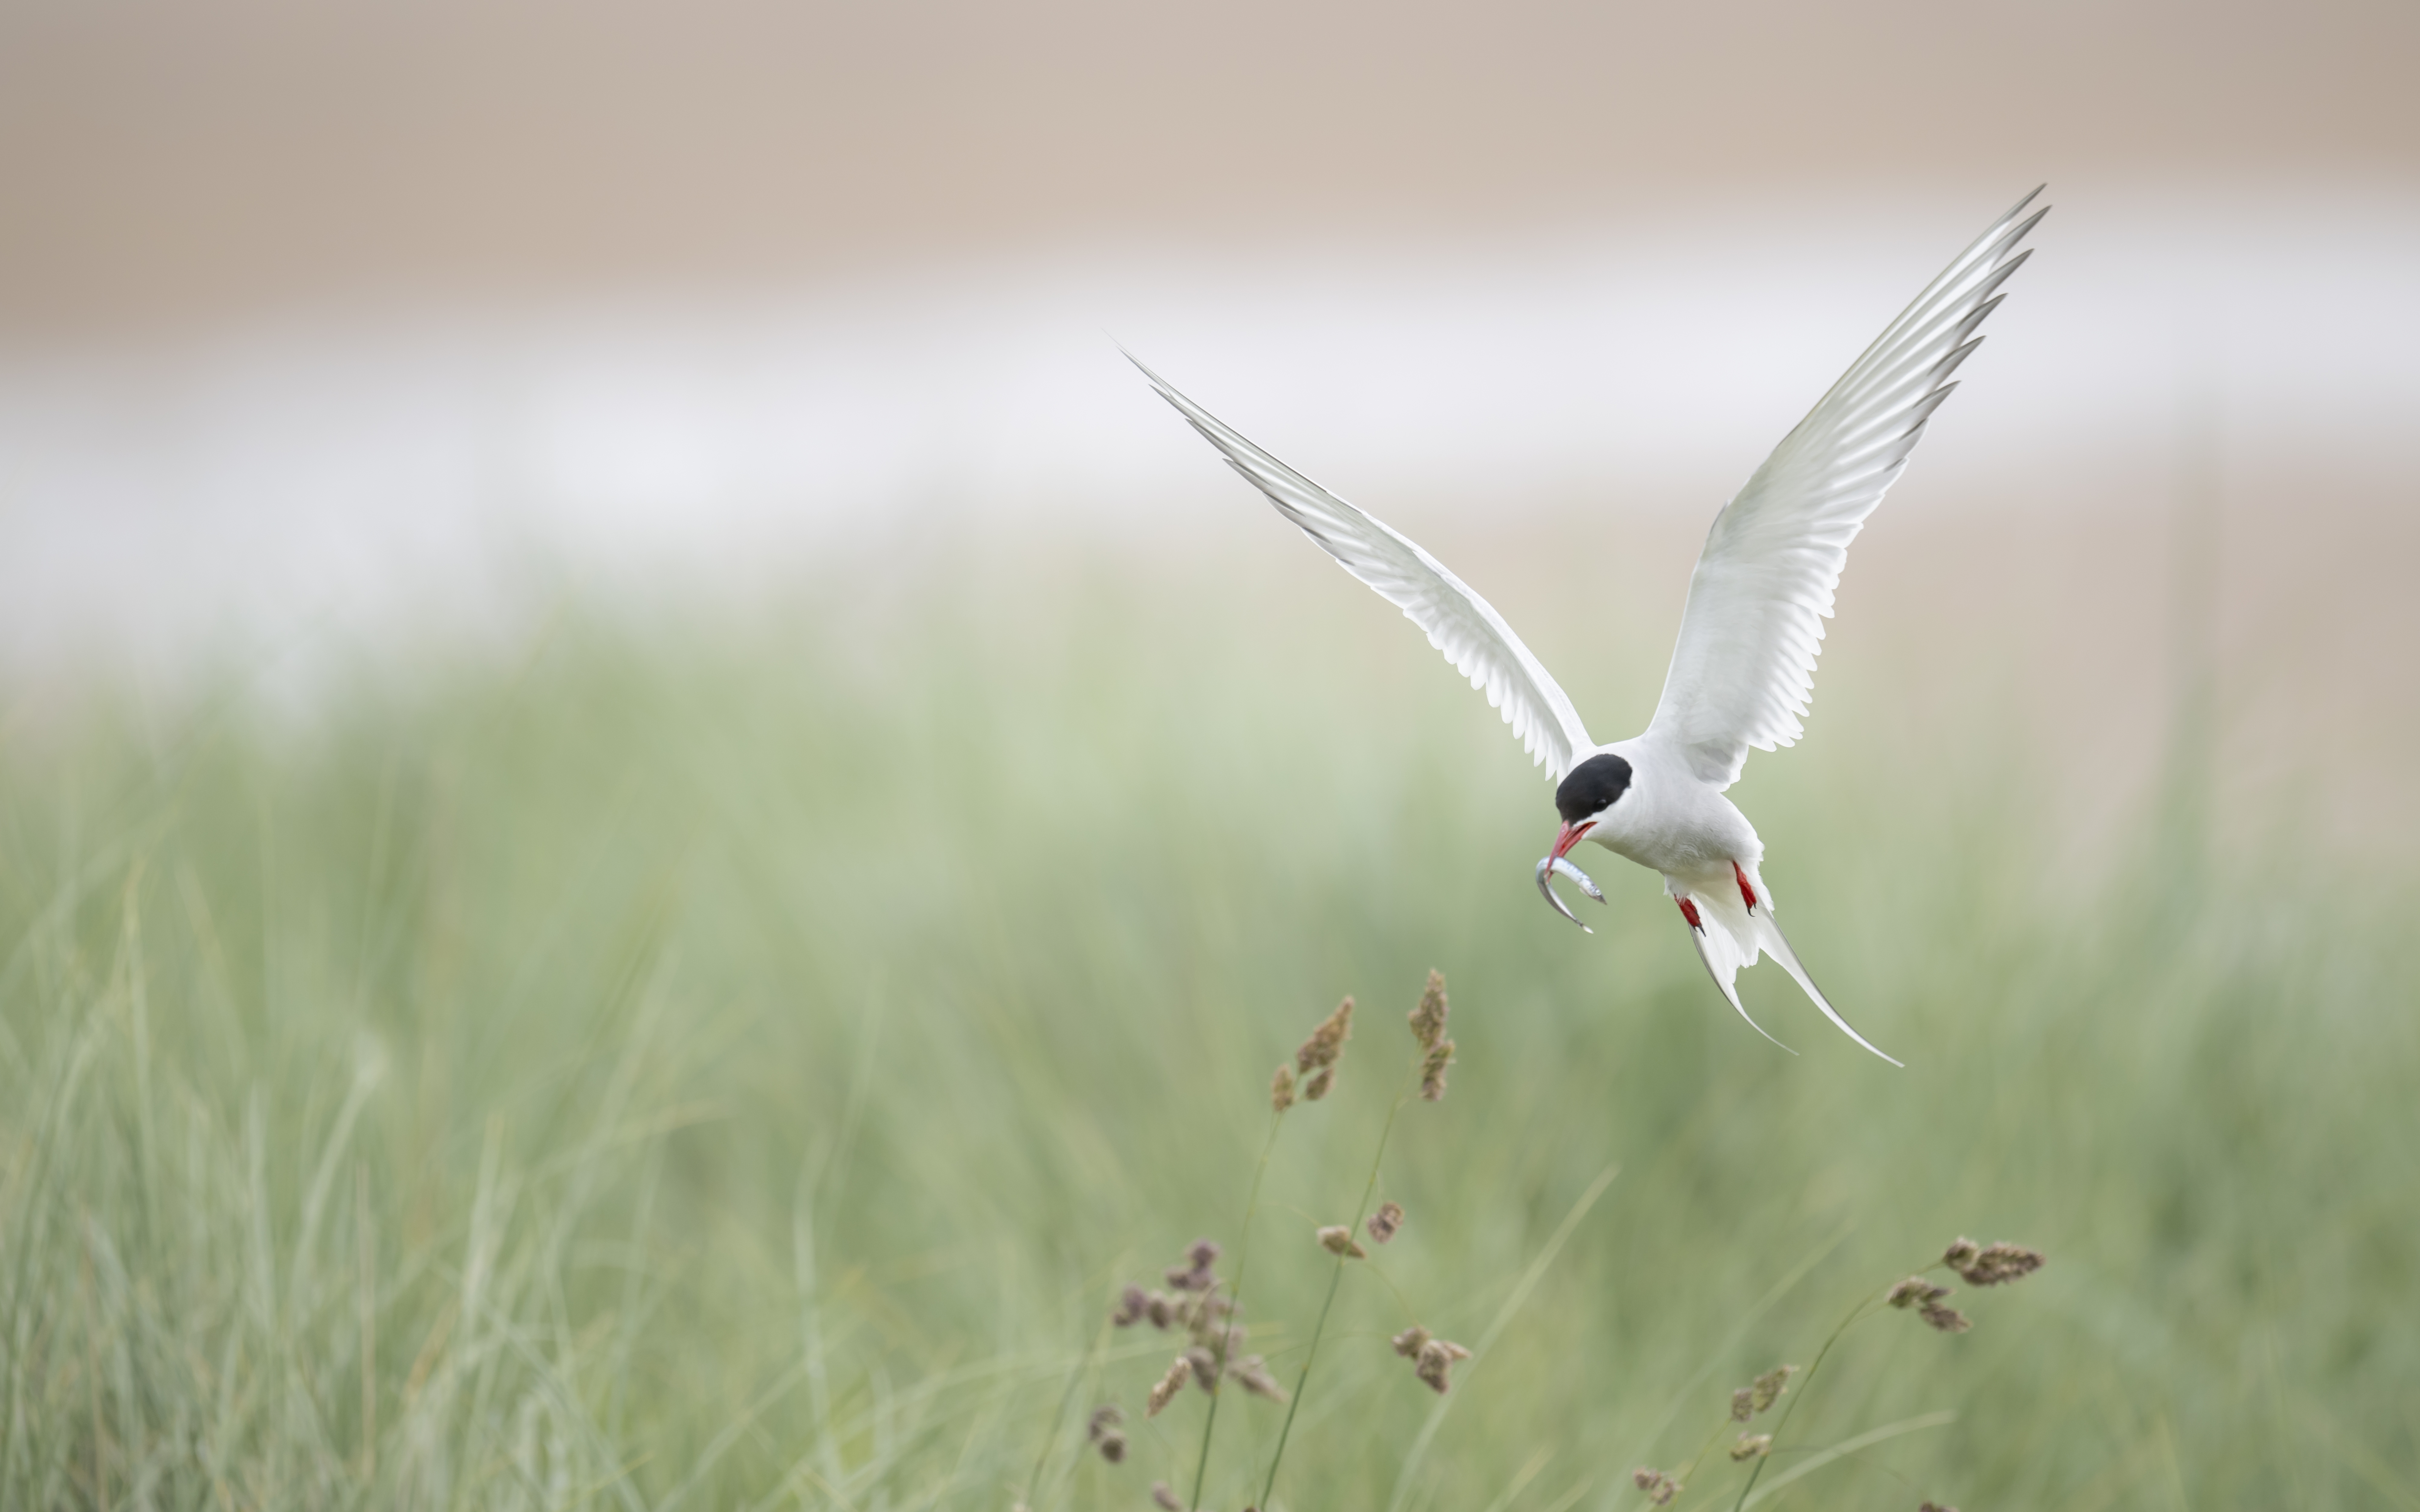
{"x": 1568, "y": 837}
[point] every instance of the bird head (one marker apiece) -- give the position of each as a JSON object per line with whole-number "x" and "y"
{"x": 1585, "y": 795}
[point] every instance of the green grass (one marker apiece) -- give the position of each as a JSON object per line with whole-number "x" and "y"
{"x": 737, "y": 1070}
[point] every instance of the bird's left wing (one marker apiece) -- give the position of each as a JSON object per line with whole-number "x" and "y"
{"x": 1743, "y": 668}
{"x": 1459, "y": 622}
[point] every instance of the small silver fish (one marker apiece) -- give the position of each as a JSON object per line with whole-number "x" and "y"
{"x": 1547, "y": 868}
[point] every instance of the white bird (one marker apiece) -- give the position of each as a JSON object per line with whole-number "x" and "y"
{"x": 1743, "y": 670}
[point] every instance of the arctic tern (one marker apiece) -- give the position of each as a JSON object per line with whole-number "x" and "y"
{"x": 1743, "y": 670}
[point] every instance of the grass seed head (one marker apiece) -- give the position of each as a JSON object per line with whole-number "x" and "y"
{"x": 1914, "y": 1292}
{"x": 1134, "y": 1304}
{"x": 1440, "y": 1056}
{"x": 1428, "y": 1020}
{"x": 1327, "y": 1042}
{"x": 1947, "y": 1320}
{"x": 1437, "y": 1357}
{"x": 1338, "y": 1240}
{"x": 1386, "y": 1221}
{"x": 1196, "y": 1275}
{"x": 1211, "y": 1321}
{"x": 1112, "y": 1445}
{"x": 1106, "y": 1418}
{"x": 1408, "y": 1342}
{"x": 1769, "y": 1386}
{"x": 1995, "y": 1264}
{"x": 1316, "y": 1085}
{"x": 1660, "y": 1488}
{"x": 1935, "y": 1506}
{"x": 1282, "y": 1089}
{"x": 1204, "y": 1366}
{"x": 1961, "y": 1254}
{"x": 1752, "y": 1446}
{"x": 1743, "y": 1405}
{"x": 1159, "y": 1310}
{"x": 1164, "y": 1498}
{"x": 1252, "y": 1374}
{"x": 1164, "y": 1390}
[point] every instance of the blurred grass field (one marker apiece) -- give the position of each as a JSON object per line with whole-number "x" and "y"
{"x": 678, "y": 1066}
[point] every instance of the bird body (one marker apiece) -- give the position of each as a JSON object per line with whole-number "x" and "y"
{"x": 1667, "y": 821}
{"x": 1743, "y": 666}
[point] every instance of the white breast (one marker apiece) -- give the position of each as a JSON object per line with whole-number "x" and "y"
{"x": 1671, "y": 822}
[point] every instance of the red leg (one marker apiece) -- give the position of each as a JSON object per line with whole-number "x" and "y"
{"x": 1746, "y": 892}
{"x": 1689, "y": 912}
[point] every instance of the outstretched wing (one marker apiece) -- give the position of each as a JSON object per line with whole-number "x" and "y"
{"x": 1743, "y": 669}
{"x": 1459, "y": 622}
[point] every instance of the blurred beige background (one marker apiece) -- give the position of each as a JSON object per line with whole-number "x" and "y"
{"x": 182, "y": 162}
{"x": 371, "y": 324}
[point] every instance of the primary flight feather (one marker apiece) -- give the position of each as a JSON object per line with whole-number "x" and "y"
{"x": 1742, "y": 667}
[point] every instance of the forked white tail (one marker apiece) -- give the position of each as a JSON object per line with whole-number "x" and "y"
{"x": 1730, "y": 936}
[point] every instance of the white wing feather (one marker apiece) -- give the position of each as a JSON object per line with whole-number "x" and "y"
{"x": 1459, "y": 622}
{"x": 1743, "y": 669}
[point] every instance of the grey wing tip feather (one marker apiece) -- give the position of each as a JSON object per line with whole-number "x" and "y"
{"x": 1145, "y": 368}
{"x": 1167, "y": 389}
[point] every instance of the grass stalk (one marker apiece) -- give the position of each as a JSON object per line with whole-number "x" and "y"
{"x": 1864, "y": 1308}
{"x": 1234, "y": 1296}
{"x": 1311, "y": 1353}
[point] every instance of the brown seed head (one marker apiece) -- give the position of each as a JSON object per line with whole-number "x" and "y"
{"x": 1210, "y": 1322}
{"x": 1157, "y": 1307}
{"x": 1436, "y": 1358}
{"x": 1914, "y": 1292}
{"x": 1383, "y": 1224}
{"x": 1282, "y": 1089}
{"x": 1770, "y": 1386}
{"x": 1105, "y": 1417}
{"x": 1132, "y": 1304}
{"x": 1204, "y": 1366}
{"x": 1327, "y": 1040}
{"x": 1751, "y": 1445}
{"x": 1317, "y": 1084}
{"x": 1947, "y": 1319}
{"x": 1113, "y": 1446}
{"x": 1996, "y": 1264}
{"x": 1164, "y": 1498}
{"x": 1252, "y": 1374}
{"x": 1660, "y": 1488}
{"x": 1935, "y": 1506}
{"x": 1338, "y": 1240}
{"x": 1428, "y": 1020}
{"x": 1408, "y": 1342}
{"x": 1164, "y": 1390}
{"x": 1961, "y": 1252}
{"x": 1204, "y": 1254}
{"x": 1440, "y": 1056}
{"x": 1743, "y": 1405}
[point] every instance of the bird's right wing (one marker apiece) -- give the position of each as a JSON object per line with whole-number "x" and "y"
{"x": 1459, "y": 622}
